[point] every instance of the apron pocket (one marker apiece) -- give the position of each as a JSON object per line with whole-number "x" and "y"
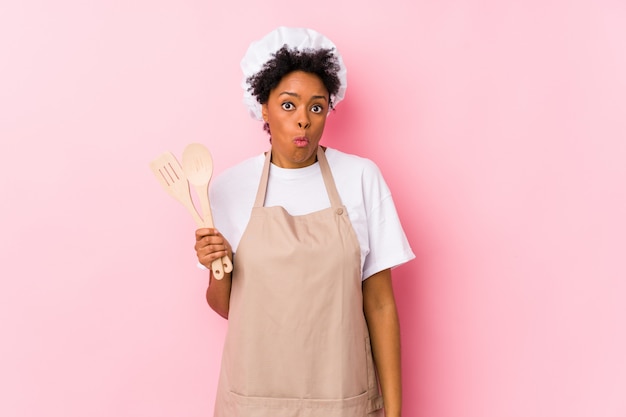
{"x": 297, "y": 407}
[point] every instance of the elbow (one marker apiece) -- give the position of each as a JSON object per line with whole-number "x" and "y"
{"x": 216, "y": 305}
{"x": 221, "y": 311}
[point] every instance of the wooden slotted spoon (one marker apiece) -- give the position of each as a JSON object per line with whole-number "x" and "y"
{"x": 170, "y": 175}
{"x": 198, "y": 166}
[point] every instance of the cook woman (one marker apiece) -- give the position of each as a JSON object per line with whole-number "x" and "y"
{"x": 313, "y": 234}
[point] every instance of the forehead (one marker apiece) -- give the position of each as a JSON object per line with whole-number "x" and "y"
{"x": 301, "y": 81}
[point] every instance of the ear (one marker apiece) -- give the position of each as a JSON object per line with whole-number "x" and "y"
{"x": 264, "y": 112}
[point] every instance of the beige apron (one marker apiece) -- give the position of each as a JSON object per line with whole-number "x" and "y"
{"x": 297, "y": 342}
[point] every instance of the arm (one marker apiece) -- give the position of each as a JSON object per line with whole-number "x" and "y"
{"x": 379, "y": 307}
{"x": 211, "y": 245}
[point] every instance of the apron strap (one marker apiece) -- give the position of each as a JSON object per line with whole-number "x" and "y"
{"x": 260, "y": 194}
{"x": 329, "y": 182}
{"x": 331, "y": 188}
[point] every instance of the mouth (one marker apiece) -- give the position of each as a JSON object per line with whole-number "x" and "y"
{"x": 301, "y": 141}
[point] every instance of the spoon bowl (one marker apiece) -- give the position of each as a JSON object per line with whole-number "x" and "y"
{"x": 198, "y": 166}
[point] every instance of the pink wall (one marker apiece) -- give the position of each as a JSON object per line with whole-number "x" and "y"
{"x": 500, "y": 127}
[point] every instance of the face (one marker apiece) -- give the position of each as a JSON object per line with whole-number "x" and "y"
{"x": 296, "y": 113}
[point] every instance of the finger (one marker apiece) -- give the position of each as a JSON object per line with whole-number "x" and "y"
{"x": 206, "y": 231}
{"x": 201, "y": 233}
{"x": 212, "y": 240}
{"x": 203, "y": 241}
{"x": 206, "y": 248}
{"x": 208, "y": 256}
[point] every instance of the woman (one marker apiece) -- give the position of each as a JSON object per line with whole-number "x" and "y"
{"x": 315, "y": 234}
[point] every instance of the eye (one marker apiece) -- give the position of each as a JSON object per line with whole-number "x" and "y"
{"x": 317, "y": 108}
{"x": 288, "y": 105}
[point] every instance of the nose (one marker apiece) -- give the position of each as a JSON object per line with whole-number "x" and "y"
{"x": 303, "y": 120}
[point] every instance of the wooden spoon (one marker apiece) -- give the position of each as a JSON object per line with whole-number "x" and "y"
{"x": 198, "y": 167}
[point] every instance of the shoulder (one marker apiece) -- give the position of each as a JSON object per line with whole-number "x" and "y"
{"x": 352, "y": 163}
{"x": 353, "y": 168}
{"x": 239, "y": 175}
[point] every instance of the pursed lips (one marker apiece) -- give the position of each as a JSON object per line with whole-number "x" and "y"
{"x": 301, "y": 141}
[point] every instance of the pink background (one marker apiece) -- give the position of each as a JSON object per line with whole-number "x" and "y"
{"x": 501, "y": 130}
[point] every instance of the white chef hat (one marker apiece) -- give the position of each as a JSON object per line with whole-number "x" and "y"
{"x": 261, "y": 51}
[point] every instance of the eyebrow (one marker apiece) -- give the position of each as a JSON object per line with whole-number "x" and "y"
{"x": 289, "y": 93}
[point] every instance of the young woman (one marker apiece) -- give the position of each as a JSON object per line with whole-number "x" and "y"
{"x": 313, "y": 326}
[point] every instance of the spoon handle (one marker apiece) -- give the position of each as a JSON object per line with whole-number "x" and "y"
{"x": 203, "y": 195}
{"x": 218, "y": 266}
{"x": 207, "y": 219}
{"x": 228, "y": 265}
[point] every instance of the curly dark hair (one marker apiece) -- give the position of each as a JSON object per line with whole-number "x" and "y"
{"x": 321, "y": 62}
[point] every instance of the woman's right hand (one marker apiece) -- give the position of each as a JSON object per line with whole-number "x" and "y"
{"x": 211, "y": 245}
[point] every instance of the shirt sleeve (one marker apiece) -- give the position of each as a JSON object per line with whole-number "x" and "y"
{"x": 388, "y": 244}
